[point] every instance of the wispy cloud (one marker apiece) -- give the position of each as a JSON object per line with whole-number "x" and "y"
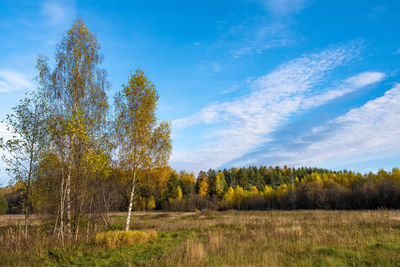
{"x": 235, "y": 87}
{"x": 238, "y": 126}
{"x": 13, "y": 81}
{"x": 377, "y": 13}
{"x": 284, "y": 7}
{"x": 368, "y": 132}
{"x": 59, "y": 12}
{"x": 274, "y": 30}
{"x": 263, "y": 37}
{"x": 347, "y": 86}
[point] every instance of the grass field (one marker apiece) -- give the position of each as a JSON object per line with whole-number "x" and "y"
{"x": 240, "y": 238}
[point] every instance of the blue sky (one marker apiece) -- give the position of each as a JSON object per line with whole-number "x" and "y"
{"x": 253, "y": 82}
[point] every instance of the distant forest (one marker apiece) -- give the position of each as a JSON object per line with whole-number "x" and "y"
{"x": 237, "y": 188}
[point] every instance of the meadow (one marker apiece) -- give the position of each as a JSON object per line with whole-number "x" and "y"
{"x": 222, "y": 238}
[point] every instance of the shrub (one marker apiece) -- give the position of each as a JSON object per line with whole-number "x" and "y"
{"x": 114, "y": 239}
{"x": 3, "y": 205}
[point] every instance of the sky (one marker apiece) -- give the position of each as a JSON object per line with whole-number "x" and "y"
{"x": 252, "y": 82}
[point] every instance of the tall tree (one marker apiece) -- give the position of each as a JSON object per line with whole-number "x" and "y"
{"x": 188, "y": 183}
{"x": 75, "y": 90}
{"x": 28, "y": 125}
{"x": 142, "y": 142}
{"x": 220, "y": 184}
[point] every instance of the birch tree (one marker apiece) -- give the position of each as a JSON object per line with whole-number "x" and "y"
{"x": 75, "y": 90}
{"x": 142, "y": 142}
{"x": 23, "y": 151}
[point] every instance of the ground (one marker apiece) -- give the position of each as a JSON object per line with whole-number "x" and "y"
{"x": 246, "y": 238}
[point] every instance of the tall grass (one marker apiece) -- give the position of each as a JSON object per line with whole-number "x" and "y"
{"x": 118, "y": 238}
{"x": 229, "y": 238}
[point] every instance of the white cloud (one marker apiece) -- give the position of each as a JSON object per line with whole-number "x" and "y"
{"x": 243, "y": 124}
{"x": 368, "y": 132}
{"x": 13, "y": 81}
{"x": 59, "y": 12}
{"x": 365, "y": 78}
{"x": 347, "y": 86}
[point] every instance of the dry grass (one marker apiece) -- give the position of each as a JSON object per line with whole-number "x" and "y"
{"x": 18, "y": 219}
{"x": 114, "y": 239}
{"x": 284, "y": 238}
{"x": 244, "y": 238}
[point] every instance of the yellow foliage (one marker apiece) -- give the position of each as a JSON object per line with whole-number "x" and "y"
{"x": 179, "y": 191}
{"x": 229, "y": 195}
{"x": 204, "y": 188}
{"x": 282, "y": 190}
{"x": 19, "y": 186}
{"x": 268, "y": 191}
{"x": 151, "y": 204}
{"x": 239, "y": 193}
{"x": 188, "y": 178}
{"x": 253, "y": 191}
{"x": 114, "y": 239}
{"x": 220, "y": 183}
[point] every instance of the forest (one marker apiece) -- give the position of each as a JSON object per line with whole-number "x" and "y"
{"x": 251, "y": 188}
{"x": 75, "y": 160}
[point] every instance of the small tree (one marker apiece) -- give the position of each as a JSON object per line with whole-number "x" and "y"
{"x": 220, "y": 184}
{"x": 204, "y": 187}
{"x": 142, "y": 143}
{"x": 23, "y": 151}
{"x": 179, "y": 193}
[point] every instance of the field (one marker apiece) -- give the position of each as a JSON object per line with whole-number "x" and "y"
{"x": 238, "y": 238}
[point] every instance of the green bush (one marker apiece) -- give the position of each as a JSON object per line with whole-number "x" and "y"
{"x": 114, "y": 239}
{"x": 3, "y": 205}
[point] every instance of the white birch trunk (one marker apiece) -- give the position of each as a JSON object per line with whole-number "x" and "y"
{"x": 128, "y": 217}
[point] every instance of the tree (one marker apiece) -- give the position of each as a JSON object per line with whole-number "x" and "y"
{"x": 151, "y": 204}
{"x": 188, "y": 183}
{"x": 253, "y": 191}
{"x": 75, "y": 91}
{"x": 243, "y": 178}
{"x": 142, "y": 142}
{"x": 204, "y": 187}
{"x": 28, "y": 125}
{"x": 229, "y": 195}
{"x": 172, "y": 184}
{"x": 178, "y": 193}
{"x": 238, "y": 195}
{"x": 220, "y": 184}
{"x": 202, "y": 175}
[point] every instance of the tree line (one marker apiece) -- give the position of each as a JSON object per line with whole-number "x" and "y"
{"x": 241, "y": 188}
